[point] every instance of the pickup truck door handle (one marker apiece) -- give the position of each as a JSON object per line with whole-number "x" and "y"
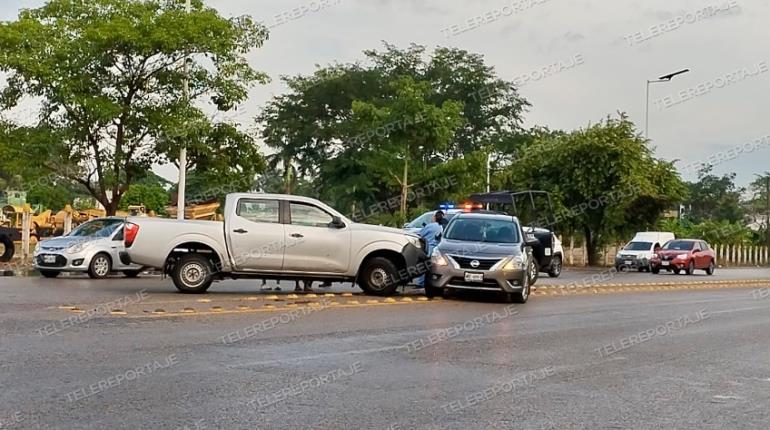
{"x": 240, "y": 231}
{"x": 297, "y": 235}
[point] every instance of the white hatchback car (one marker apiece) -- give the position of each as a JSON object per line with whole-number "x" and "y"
{"x": 94, "y": 247}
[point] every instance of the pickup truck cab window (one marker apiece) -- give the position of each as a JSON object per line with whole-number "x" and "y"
{"x": 267, "y": 211}
{"x": 309, "y": 215}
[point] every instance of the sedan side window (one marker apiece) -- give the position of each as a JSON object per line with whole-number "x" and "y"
{"x": 267, "y": 211}
{"x": 309, "y": 215}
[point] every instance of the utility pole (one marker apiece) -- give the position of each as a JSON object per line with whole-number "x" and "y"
{"x": 180, "y": 204}
{"x": 767, "y": 208}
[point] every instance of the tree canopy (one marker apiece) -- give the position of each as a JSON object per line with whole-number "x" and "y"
{"x": 605, "y": 181}
{"x": 110, "y": 74}
{"x": 348, "y": 130}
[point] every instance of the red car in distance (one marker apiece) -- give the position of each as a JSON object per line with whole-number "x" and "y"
{"x": 684, "y": 255}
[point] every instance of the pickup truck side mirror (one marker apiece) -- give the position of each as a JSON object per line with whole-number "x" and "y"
{"x": 531, "y": 240}
{"x": 337, "y": 222}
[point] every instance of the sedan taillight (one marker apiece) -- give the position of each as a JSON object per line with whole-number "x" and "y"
{"x": 130, "y": 231}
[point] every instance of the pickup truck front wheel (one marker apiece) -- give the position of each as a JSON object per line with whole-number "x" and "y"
{"x": 192, "y": 274}
{"x": 379, "y": 277}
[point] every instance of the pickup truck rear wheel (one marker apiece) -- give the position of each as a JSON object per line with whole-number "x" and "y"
{"x": 379, "y": 277}
{"x": 192, "y": 274}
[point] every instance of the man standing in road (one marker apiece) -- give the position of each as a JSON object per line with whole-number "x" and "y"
{"x": 430, "y": 233}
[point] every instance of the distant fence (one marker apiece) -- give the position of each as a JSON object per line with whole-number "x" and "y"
{"x": 727, "y": 255}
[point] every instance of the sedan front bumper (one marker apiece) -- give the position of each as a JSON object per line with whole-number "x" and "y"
{"x": 509, "y": 281}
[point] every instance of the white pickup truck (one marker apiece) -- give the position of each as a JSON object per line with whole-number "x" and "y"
{"x": 275, "y": 236}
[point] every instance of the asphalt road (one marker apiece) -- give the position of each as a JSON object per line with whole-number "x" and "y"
{"x": 689, "y": 359}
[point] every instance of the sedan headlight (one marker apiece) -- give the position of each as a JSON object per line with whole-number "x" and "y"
{"x": 514, "y": 263}
{"x": 37, "y": 248}
{"x": 78, "y": 247}
{"x": 682, "y": 256}
{"x": 438, "y": 259}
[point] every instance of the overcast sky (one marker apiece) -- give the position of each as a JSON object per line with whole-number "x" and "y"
{"x": 584, "y": 59}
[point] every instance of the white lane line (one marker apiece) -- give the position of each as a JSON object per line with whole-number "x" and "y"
{"x": 325, "y": 355}
{"x": 727, "y": 311}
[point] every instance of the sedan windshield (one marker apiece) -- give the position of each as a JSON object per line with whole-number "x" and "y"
{"x": 679, "y": 245}
{"x": 638, "y": 246}
{"x": 483, "y": 230}
{"x": 97, "y": 228}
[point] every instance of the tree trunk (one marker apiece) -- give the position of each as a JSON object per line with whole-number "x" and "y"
{"x": 288, "y": 177}
{"x": 112, "y": 206}
{"x": 592, "y": 247}
{"x": 405, "y": 186}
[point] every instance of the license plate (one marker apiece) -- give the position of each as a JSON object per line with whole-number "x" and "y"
{"x": 628, "y": 262}
{"x": 548, "y": 251}
{"x": 664, "y": 263}
{"x": 49, "y": 259}
{"x": 474, "y": 277}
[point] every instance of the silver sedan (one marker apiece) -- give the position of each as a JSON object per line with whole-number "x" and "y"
{"x": 94, "y": 247}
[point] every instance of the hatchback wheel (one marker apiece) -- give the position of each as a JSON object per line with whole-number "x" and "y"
{"x": 100, "y": 266}
{"x": 710, "y": 269}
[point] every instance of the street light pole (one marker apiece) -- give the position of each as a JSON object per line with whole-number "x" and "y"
{"x": 664, "y": 78}
{"x": 180, "y": 204}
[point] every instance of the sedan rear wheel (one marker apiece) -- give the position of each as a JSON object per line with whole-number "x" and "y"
{"x": 710, "y": 269}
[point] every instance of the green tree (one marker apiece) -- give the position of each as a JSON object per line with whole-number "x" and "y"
{"x": 110, "y": 76}
{"x": 408, "y": 128}
{"x": 604, "y": 180}
{"x": 319, "y": 139}
{"x": 715, "y": 198}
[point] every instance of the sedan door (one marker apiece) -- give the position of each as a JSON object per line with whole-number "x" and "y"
{"x": 256, "y": 235}
{"x": 314, "y": 243}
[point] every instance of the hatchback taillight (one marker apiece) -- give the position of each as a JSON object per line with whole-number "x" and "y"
{"x": 130, "y": 230}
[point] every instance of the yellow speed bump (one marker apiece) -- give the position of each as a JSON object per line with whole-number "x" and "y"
{"x": 372, "y": 302}
{"x": 188, "y": 310}
{"x": 203, "y": 300}
{"x": 77, "y": 310}
{"x": 390, "y": 300}
{"x": 118, "y": 312}
{"x": 311, "y": 295}
{"x": 291, "y": 305}
{"x": 269, "y": 306}
{"x": 271, "y": 297}
{"x": 67, "y": 307}
{"x": 159, "y": 311}
{"x": 329, "y": 295}
{"x": 243, "y": 307}
{"x": 347, "y": 294}
{"x": 217, "y": 309}
{"x": 252, "y": 298}
{"x": 292, "y": 296}
{"x": 406, "y": 299}
{"x": 422, "y": 299}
